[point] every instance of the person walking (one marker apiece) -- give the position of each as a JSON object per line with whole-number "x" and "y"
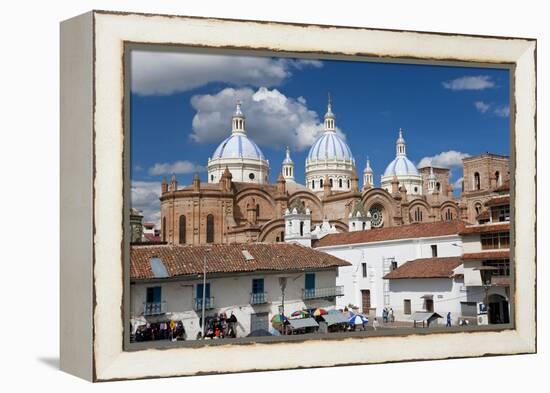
{"x": 448, "y": 319}
{"x": 375, "y": 324}
{"x": 392, "y": 317}
{"x": 385, "y": 315}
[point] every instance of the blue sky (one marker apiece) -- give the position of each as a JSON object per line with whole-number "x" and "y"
{"x": 181, "y": 107}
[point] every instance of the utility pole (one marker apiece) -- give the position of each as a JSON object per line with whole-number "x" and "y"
{"x": 203, "y": 293}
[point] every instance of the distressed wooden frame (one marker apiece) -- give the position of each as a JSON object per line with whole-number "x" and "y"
{"x": 92, "y": 193}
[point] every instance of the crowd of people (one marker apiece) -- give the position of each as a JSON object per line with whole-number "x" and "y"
{"x": 219, "y": 326}
{"x": 166, "y": 330}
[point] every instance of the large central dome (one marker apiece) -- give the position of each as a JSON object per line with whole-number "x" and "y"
{"x": 329, "y": 159}
{"x": 237, "y": 146}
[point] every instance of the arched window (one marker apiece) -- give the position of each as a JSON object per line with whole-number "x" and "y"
{"x": 418, "y": 215}
{"x": 301, "y": 228}
{"x": 163, "y": 229}
{"x": 438, "y": 186}
{"x": 330, "y": 182}
{"x": 211, "y": 177}
{"x": 340, "y": 183}
{"x": 478, "y": 208}
{"x": 477, "y": 181}
{"x": 257, "y": 210}
{"x": 448, "y": 215}
{"x": 348, "y": 184}
{"x": 497, "y": 177}
{"x": 282, "y": 236}
{"x": 313, "y": 184}
{"x": 210, "y": 228}
{"x": 182, "y": 229}
{"x": 321, "y": 183}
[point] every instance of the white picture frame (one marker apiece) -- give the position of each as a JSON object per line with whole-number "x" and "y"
{"x": 92, "y": 193}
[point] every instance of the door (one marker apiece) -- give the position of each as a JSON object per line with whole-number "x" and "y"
{"x": 407, "y": 306}
{"x": 309, "y": 285}
{"x": 259, "y": 321}
{"x": 429, "y": 305}
{"x": 198, "y": 296}
{"x": 365, "y": 300}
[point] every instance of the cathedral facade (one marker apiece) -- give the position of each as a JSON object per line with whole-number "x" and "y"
{"x": 238, "y": 204}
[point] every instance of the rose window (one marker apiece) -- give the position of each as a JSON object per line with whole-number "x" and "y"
{"x": 377, "y": 217}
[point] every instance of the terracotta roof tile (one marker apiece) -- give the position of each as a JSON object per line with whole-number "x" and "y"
{"x": 499, "y": 254}
{"x": 498, "y": 201}
{"x": 426, "y": 268}
{"x": 486, "y": 228}
{"x": 228, "y": 258}
{"x": 411, "y": 231}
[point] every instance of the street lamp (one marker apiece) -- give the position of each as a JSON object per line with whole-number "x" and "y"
{"x": 282, "y": 284}
{"x": 204, "y": 291}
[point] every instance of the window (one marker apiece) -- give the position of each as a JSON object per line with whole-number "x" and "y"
{"x": 478, "y": 208}
{"x": 163, "y": 229}
{"x": 495, "y": 240}
{"x": 258, "y": 285}
{"x": 448, "y": 215}
{"x": 251, "y": 176}
{"x": 282, "y": 236}
{"x": 438, "y": 186}
{"x": 154, "y": 295}
{"x": 330, "y": 182}
{"x": 340, "y": 183}
{"x": 407, "y": 306}
{"x": 313, "y": 184}
{"x": 257, "y": 210}
{"x": 211, "y": 177}
{"x": 393, "y": 265}
{"x": 210, "y": 228}
{"x": 418, "y": 215}
{"x": 199, "y": 296}
{"x": 416, "y": 189}
{"x": 364, "y": 266}
{"x": 321, "y": 183}
{"x": 301, "y": 228}
{"x": 182, "y": 229}
{"x": 434, "y": 250}
{"x": 497, "y": 177}
{"x": 348, "y": 184}
{"x": 477, "y": 181}
{"x": 501, "y": 213}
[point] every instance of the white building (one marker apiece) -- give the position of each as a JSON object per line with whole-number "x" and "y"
{"x": 428, "y": 285}
{"x": 374, "y": 253}
{"x": 241, "y": 279}
{"x": 403, "y": 170}
{"x": 329, "y": 159}
{"x": 239, "y": 154}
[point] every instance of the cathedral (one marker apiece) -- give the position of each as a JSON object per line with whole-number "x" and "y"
{"x": 238, "y": 204}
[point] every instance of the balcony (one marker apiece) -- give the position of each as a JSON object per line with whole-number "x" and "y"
{"x": 208, "y": 303}
{"x": 258, "y": 298}
{"x": 155, "y": 308}
{"x": 320, "y": 293}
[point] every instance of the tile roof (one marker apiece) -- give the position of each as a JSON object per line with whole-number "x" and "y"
{"x": 152, "y": 238}
{"x": 417, "y": 230}
{"x": 486, "y": 228}
{"x": 498, "y": 254}
{"x": 228, "y": 258}
{"x": 498, "y": 201}
{"x": 426, "y": 268}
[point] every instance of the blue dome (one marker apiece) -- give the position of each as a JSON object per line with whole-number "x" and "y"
{"x": 330, "y": 147}
{"x": 401, "y": 165}
{"x": 238, "y": 146}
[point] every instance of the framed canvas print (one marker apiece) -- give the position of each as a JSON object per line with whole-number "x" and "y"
{"x": 291, "y": 196}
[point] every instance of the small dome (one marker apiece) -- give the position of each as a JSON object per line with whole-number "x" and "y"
{"x": 287, "y": 159}
{"x": 330, "y": 147}
{"x": 401, "y": 166}
{"x": 238, "y": 146}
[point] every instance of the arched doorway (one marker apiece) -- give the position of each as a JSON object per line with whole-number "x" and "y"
{"x": 499, "y": 309}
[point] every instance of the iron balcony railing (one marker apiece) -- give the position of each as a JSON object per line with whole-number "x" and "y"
{"x": 318, "y": 293}
{"x": 208, "y": 303}
{"x": 154, "y": 308}
{"x": 258, "y": 298}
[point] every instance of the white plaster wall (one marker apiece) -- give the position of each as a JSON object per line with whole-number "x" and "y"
{"x": 240, "y": 169}
{"x": 232, "y": 294}
{"x": 374, "y": 254}
{"x": 447, "y": 295}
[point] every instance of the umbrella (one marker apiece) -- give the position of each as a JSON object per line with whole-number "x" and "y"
{"x": 279, "y": 319}
{"x": 300, "y": 313}
{"x": 319, "y": 312}
{"x": 358, "y": 320}
{"x": 259, "y": 333}
{"x": 334, "y": 311}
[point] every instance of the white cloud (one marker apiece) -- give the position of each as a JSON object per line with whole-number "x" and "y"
{"x": 502, "y": 111}
{"x": 272, "y": 118}
{"x": 446, "y": 159}
{"x": 457, "y": 185}
{"x": 482, "y": 106}
{"x": 178, "y": 167}
{"x": 479, "y": 82}
{"x": 164, "y": 73}
{"x": 145, "y": 197}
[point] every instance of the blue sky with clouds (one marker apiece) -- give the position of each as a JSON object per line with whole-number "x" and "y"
{"x": 181, "y": 107}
